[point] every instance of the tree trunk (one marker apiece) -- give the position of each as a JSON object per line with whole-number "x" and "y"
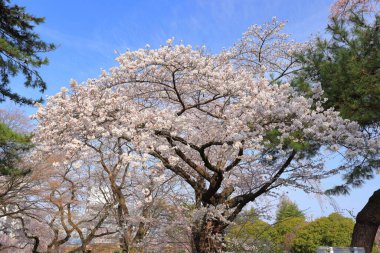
{"x": 125, "y": 241}
{"x": 208, "y": 237}
{"x": 367, "y": 223}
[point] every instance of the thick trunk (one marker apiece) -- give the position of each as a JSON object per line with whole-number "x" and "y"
{"x": 367, "y": 223}
{"x": 208, "y": 237}
{"x": 125, "y": 241}
{"x": 124, "y": 246}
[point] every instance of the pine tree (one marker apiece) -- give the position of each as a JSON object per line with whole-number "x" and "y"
{"x": 12, "y": 146}
{"x": 348, "y": 68}
{"x": 20, "y": 49}
{"x": 347, "y": 65}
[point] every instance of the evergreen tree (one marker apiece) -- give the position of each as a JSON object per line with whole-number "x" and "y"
{"x": 288, "y": 209}
{"x": 12, "y": 146}
{"x": 20, "y": 49}
{"x": 347, "y": 65}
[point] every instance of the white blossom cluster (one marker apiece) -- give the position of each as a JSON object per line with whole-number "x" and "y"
{"x": 191, "y": 97}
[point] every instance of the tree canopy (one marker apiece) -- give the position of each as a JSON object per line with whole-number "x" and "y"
{"x": 334, "y": 230}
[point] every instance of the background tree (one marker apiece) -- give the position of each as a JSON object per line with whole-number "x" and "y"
{"x": 292, "y": 234}
{"x": 16, "y": 183}
{"x": 250, "y": 233}
{"x": 12, "y": 145}
{"x": 288, "y": 209}
{"x": 347, "y": 65}
{"x": 334, "y": 230}
{"x": 20, "y": 49}
{"x": 16, "y": 120}
{"x": 289, "y": 220}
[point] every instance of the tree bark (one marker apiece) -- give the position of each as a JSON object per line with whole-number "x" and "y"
{"x": 367, "y": 224}
{"x": 208, "y": 237}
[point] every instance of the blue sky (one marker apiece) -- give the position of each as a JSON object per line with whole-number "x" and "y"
{"x": 89, "y": 31}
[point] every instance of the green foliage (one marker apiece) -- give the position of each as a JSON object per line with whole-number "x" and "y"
{"x": 288, "y": 209}
{"x": 285, "y": 231}
{"x": 250, "y": 229}
{"x": 12, "y": 145}
{"x": 295, "y": 141}
{"x": 20, "y": 47}
{"x": 290, "y": 233}
{"x": 348, "y": 68}
{"x": 334, "y": 230}
{"x": 289, "y": 220}
{"x": 294, "y": 234}
{"x": 347, "y": 65}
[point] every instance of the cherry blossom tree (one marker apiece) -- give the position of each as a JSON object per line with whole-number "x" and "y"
{"x": 66, "y": 199}
{"x": 16, "y": 120}
{"x": 104, "y": 190}
{"x": 213, "y": 120}
{"x": 344, "y": 8}
{"x": 16, "y": 183}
